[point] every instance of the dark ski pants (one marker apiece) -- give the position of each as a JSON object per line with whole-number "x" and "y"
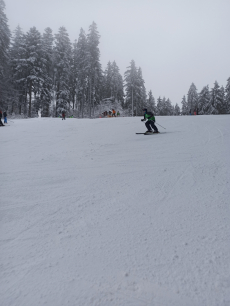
{"x": 151, "y": 124}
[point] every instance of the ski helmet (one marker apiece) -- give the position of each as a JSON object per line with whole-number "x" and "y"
{"x": 144, "y": 109}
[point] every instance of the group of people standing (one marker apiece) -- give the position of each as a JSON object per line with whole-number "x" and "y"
{"x": 111, "y": 113}
{"x": 4, "y": 116}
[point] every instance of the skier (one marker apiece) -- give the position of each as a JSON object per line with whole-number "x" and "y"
{"x": 1, "y": 124}
{"x": 114, "y": 113}
{"x": 5, "y": 117}
{"x": 63, "y": 115}
{"x": 150, "y": 124}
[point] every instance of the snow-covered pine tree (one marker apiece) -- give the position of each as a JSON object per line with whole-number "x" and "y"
{"x": 216, "y": 100}
{"x": 141, "y": 93}
{"x": 17, "y": 53}
{"x": 150, "y": 102}
{"x": 160, "y": 107}
{"x": 165, "y": 107}
{"x": 131, "y": 87}
{"x": 184, "y": 107}
{"x": 177, "y": 110}
{"x": 47, "y": 85}
{"x": 224, "y": 108}
{"x": 120, "y": 89}
{"x": 192, "y": 99}
{"x": 227, "y": 95}
{"x": 32, "y": 67}
{"x": 204, "y": 101}
{"x": 73, "y": 78}
{"x": 107, "y": 86}
{"x": 168, "y": 108}
{"x": 62, "y": 62}
{"x": 117, "y": 83}
{"x": 113, "y": 83}
{"x": 81, "y": 60}
{"x": 94, "y": 68}
{"x": 4, "y": 58}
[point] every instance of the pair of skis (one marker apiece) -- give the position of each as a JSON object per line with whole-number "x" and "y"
{"x": 148, "y": 133}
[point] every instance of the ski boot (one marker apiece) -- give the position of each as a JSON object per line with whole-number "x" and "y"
{"x": 148, "y": 132}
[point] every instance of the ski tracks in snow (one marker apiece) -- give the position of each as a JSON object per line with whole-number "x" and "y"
{"x": 95, "y": 216}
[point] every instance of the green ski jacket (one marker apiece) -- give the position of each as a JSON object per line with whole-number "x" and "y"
{"x": 149, "y": 116}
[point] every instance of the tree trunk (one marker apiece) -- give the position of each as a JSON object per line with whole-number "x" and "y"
{"x": 57, "y": 95}
{"x": 30, "y": 98}
{"x": 90, "y": 98}
{"x": 132, "y": 101}
{"x": 73, "y": 101}
{"x": 83, "y": 103}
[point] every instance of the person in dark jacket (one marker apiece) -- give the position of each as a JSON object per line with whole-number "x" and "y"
{"x": 150, "y": 124}
{"x": 1, "y": 124}
{"x": 5, "y": 117}
{"x": 63, "y": 115}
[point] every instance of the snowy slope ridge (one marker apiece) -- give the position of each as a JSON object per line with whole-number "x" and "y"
{"x": 93, "y": 214}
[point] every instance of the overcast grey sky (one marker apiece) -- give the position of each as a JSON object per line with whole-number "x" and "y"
{"x": 175, "y": 42}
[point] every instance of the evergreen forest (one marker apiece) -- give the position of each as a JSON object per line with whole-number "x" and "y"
{"x": 47, "y": 73}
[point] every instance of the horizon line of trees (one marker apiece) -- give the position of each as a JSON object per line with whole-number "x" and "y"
{"x": 212, "y": 101}
{"x": 48, "y": 73}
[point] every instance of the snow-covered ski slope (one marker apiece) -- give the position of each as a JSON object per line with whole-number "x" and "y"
{"x": 93, "y": 214}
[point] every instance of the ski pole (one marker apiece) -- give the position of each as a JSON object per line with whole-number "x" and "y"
{"x": 160, "y": 125}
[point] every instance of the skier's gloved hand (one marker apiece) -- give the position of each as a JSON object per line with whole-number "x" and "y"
{"x": 142, "y": 119}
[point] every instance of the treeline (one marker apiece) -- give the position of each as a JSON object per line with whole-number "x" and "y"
{"x": 46, "y": 72}
{"x": 207, "y": 102}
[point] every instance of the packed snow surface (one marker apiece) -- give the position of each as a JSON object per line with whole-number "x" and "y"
{"x": 93, "y": 214}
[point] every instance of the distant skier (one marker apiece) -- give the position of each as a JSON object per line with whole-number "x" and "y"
{"x": 63, "y": 115}
{"x": 5, "y": 117}
{"x": 1, "y": 124}
{"x": 118, "y": 114}
{"x": 150, "y": 124}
